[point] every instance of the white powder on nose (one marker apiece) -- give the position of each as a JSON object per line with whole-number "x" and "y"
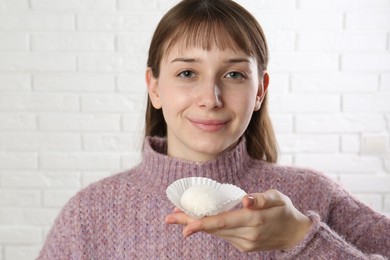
{"x": 200, "y": 200}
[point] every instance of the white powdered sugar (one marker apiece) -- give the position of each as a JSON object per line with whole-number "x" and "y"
{"x": 200, "y": 200}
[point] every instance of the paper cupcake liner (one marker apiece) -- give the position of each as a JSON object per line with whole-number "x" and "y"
{"x": 229, "y": 195}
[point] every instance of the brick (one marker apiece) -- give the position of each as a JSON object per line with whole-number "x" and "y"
{"x": 21, "y": 252}
{"x": 89, "y": 177}
{"x": 137, "y": 5}
{"x": 268, "y": 4}
{"x": 129, "y": 160}
{"x": 79, "y": 160}
{"x": 46, "y": 231}
{"x": 387, "y": 203}
{"x": 302, "y": 62}
{"x": 366, "y": 103}
{"x": 281, "y": 41}
{"x": 113, "y": 103}
{"x": 366, "y": 183}
{"x": 285, "y": 159}
{"x": 279, "y": 83}
{"x": 132, "y": 82}
{"x": 15, "y": 82}
{"x": 79, "y": 122}
{"x": 14, "y": 5}
{"x": 300, "y": 20}
{"x": 57, "y": 198}
{"x": 117, "y": 142}
{"x": 330, "y": 41}
{"x": 94, "y": 5}
{"x": 334, "y": 82}
{"x": 41, "y": 141}
{"x": 366, "y": 62}
{"x": 385, "y": 82}
{"x": 126, "y": 42}
{"x": 340, "y": 163}
{"x": 374, "y": 201}
{"x": 20, "y": 198}
{"x": 40, "y": 179}
{"x": 292, "y": 143}
{"x": 388, "y": 120}
{"x": 350, "y": 143}
{"x": 340, "y": 123}
{"x": 18, "y": 121}
{"x": 133, "y": 122}
{"x": 368, "y": 19}
{"x": 304, "y": 103}
{"x": 347, "y": 4}
{"x": 37, "y": 62}
{"x": 135, "y": 22}
{"x": 111, "y": 63}
{"x": 41, "y": 21}
{"x": 14, "y": 41}
{"x": 375, "y": 144}
{"x": 74, "y": 82}
{"x": 386, "y": 163}
{"x": 29, "y": 216}
{"x": 39, "y": 102}
{"x": 18, "y": 160}
{"x": 388, "y": 42}
{"x": 282, "y": 123}
{"x": 20, "y": 235}
{"x": 73, "y": 41}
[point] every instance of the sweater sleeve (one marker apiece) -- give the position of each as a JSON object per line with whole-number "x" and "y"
{"x": 62, "y": 242}
{"x": 343, "y": 227}
{"x": 324, "y": 243}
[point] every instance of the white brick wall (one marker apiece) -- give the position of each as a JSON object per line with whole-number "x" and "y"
{"x": 72, "y": 96}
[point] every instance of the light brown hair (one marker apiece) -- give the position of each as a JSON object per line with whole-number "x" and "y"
{"x": 228, "y": 25}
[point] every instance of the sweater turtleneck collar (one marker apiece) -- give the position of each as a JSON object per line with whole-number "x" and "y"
{"x": 162, "y": 169}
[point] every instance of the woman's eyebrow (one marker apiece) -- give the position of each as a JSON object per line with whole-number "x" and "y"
{"x": 227, "y": 61}
{"x": 189, "y": 60}
{"x": 238, "y": 60}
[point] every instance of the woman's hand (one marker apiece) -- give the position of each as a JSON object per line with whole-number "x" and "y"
{"x": 267, "y": 221}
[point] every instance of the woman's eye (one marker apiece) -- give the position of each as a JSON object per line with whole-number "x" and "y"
{"x": 187, "y": 74}
{"x": 235, "y": 75}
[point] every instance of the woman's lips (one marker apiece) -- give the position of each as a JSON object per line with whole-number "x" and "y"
{"x": 209, "y": 125}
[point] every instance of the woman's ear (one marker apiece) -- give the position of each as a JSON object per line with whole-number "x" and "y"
{"x": 262, "y": 90}
{"x": 153, "y": 90}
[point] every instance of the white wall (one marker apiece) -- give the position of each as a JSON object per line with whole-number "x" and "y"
{"x": 72, "y": 95}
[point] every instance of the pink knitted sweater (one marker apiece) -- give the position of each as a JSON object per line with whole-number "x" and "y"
{"x": 122, "y": 217}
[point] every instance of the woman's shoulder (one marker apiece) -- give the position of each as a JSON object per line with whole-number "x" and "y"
{"x": 293, "y": 175}
{"x": 99, "y": 192}
{"x": 286, "y": 169}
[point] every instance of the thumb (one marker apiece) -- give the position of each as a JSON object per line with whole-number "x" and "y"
{"x": 268, "y": 199}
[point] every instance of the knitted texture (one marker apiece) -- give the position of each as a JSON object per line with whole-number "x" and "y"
{"x": 122, "y": 217}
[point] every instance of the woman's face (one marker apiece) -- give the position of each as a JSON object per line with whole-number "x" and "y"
{"x": 207, "y": 98}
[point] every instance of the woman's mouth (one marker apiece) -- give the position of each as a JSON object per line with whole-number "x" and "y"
{"x": 209, "y": 125}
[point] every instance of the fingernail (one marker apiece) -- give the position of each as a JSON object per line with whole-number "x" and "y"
{"x": 251, "y": 201}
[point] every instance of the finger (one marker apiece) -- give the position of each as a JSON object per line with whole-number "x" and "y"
{"x": 224, "y": 221}
{"x": 242, "y": 233}
{"x": 177, "y": 210}
{"x": 268, "y": 199}
{"x": 178, "y": 218}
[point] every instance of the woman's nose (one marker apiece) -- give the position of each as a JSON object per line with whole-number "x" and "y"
{"x": 210, "y": 94}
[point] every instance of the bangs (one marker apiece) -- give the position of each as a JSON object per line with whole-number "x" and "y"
{"x": 204, "y": 24}
{"x": 209, "y": 32}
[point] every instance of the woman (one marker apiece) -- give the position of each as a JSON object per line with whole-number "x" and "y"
{"x": 207, "y": 116}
